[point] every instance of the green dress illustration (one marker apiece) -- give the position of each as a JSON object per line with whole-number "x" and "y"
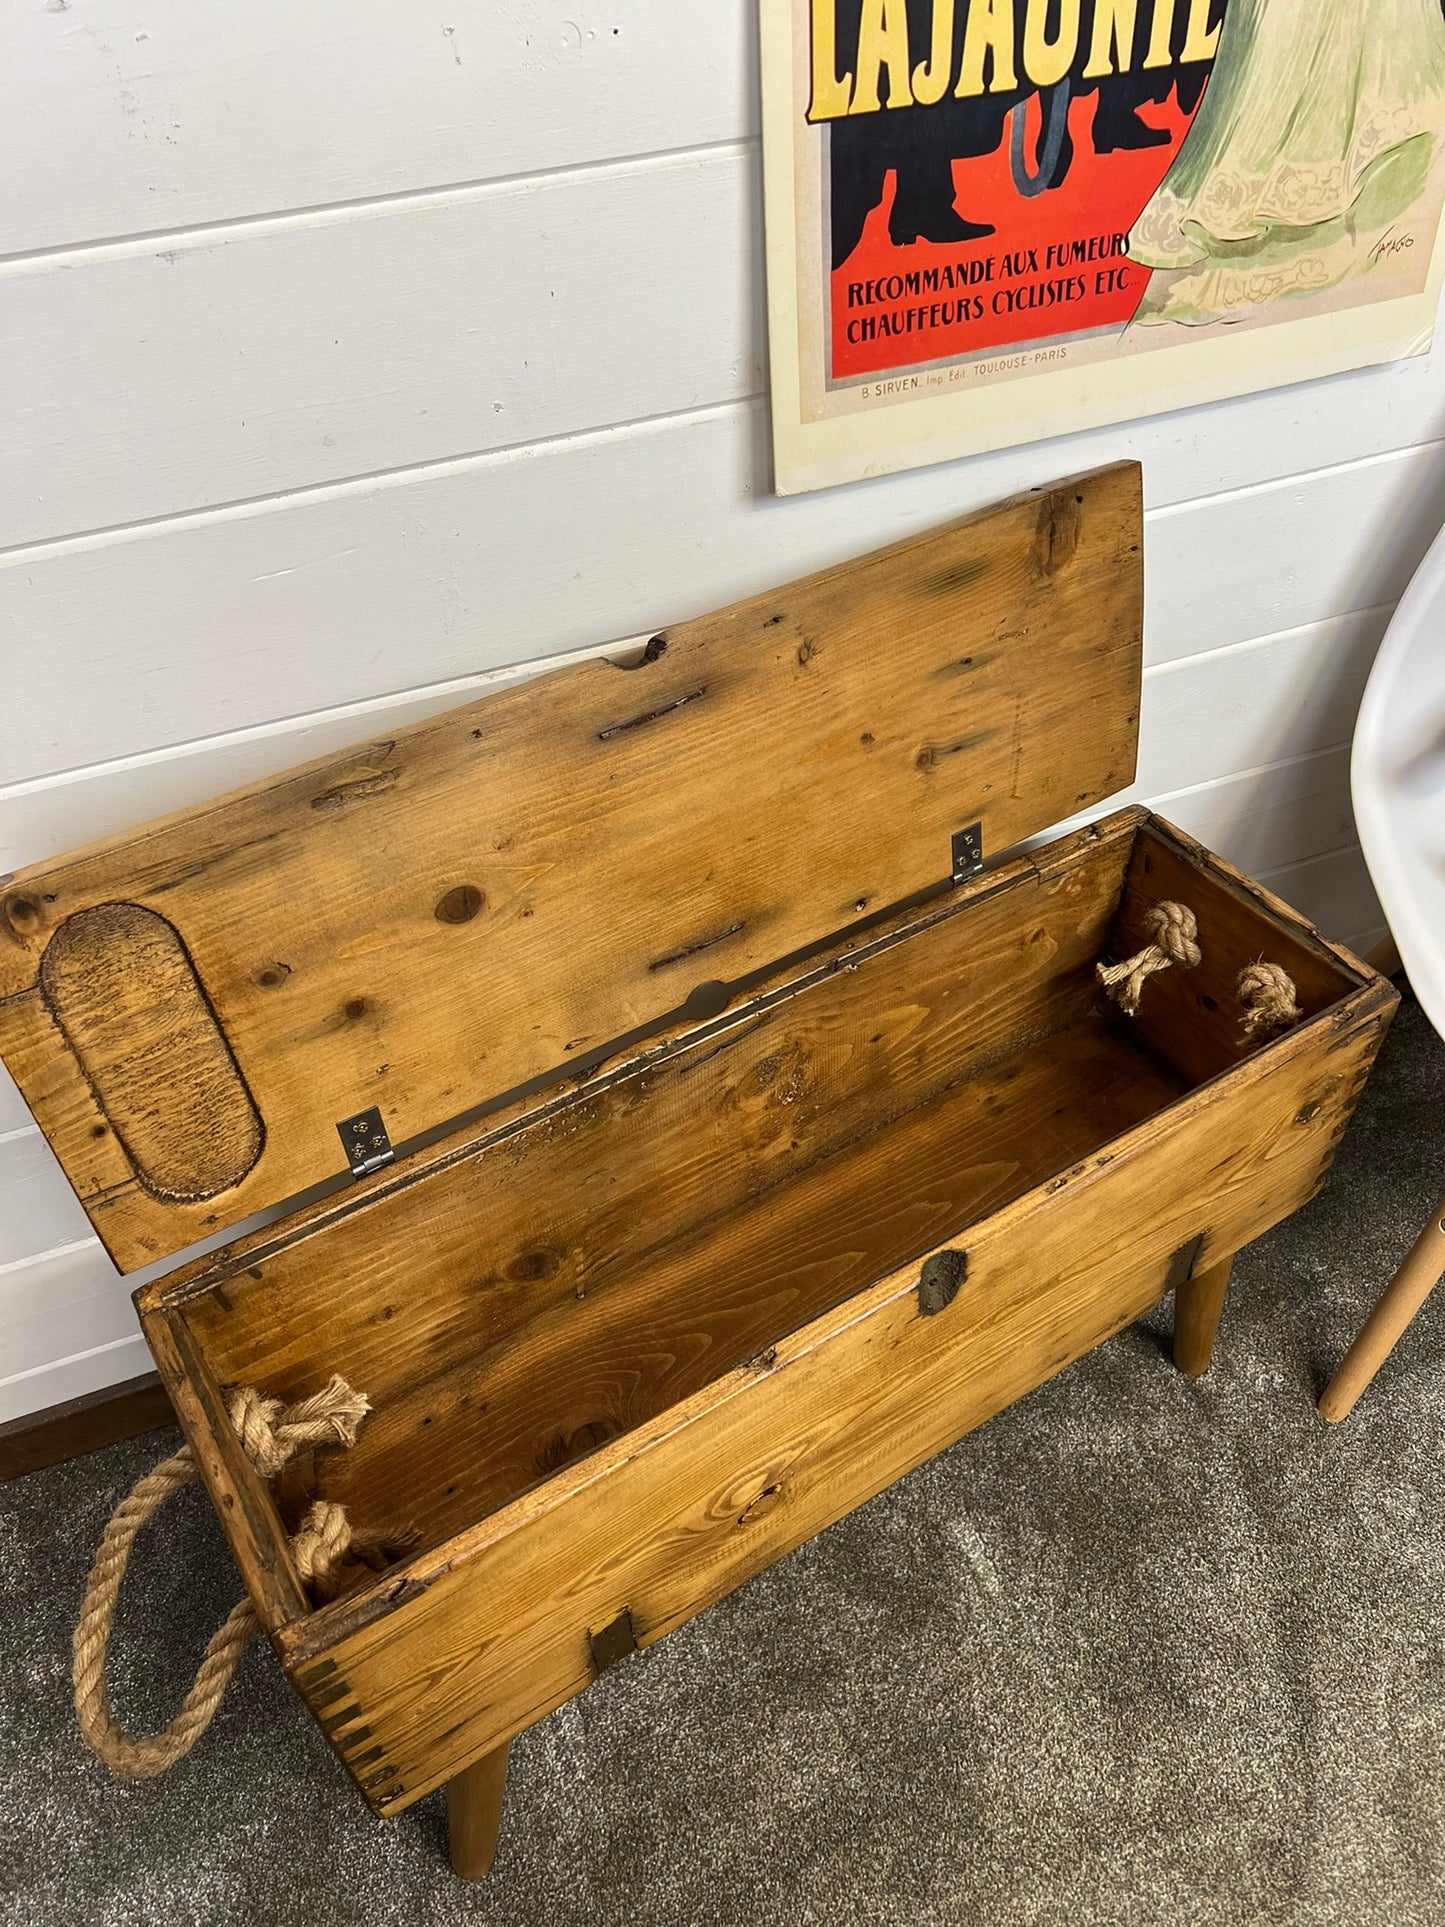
{"x": 1318, "y": 130}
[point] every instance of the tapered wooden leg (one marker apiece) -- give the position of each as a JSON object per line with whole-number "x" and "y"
{"x": 1198, "y": 1303}
{"x": 1381, "y": 1331}
{"x": 474, "y": 1813}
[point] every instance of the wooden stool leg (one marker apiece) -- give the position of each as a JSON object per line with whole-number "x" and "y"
{"x": 1198, "y": 1303}
{"x": 474, "y": 1813}
{"x": 1381, "y": 1331}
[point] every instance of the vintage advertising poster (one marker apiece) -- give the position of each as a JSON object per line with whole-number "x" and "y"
{"x": 991, "y": 221}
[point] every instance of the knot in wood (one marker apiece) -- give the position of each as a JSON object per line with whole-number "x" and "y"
{"x": 1268, "y": 995}
{"x": 1174, "y": 929}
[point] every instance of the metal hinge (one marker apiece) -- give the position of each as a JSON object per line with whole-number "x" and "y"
{"x": 366, "y": 1143}
{"x": 967, "y": 852}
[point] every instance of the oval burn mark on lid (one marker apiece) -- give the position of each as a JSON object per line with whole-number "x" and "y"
{"x": 120, "y": 984}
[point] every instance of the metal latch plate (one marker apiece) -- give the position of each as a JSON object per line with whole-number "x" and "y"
{"x": 1181, "y": 1265}
{"x": 613, "y": 1642}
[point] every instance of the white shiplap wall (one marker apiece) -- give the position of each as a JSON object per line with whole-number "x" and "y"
{"x": 358, "y": 353}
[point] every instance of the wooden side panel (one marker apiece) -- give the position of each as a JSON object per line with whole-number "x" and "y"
{"x": 1193, "y": 1019}
{"x": 243, "y": 1501}
{"x": 445, "y": 1658}
{"x": 426, "y": 922}
{"x": 450, "y": 1448}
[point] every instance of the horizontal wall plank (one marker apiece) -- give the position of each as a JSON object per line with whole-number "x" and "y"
{"x": 229, "y": 621}
{"x": 1365, "y": 942}
{"x": 1204, "y": 717}
{"x": 1297, "y": 552}
{"x": 66, "y": 1301}
{"x": 38, "y": 1209}
{"x": 288, "y": 356}
{"x": 1264, "y": 820}
{"x": 14, "y": 1112}
{"x": 159, "y": 115}
{"x": 1333, "y": 891}
{"x": 73, "y": 1376}
{"x": 1254, "y": 703}
{"x": 276, "y": 358}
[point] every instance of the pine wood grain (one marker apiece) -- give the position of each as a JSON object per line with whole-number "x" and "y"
{"x": 452, "y": 1653}
{"x": 425, "y": 922}
{"x": 1198, "y": 1306}
{"x": 474, "y": 1814}
{"x": 720, "y": 1470}
{"x": 589, "y": 1368}
{"x": 452, "y": 1252}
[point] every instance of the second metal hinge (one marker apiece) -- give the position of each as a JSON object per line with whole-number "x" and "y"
{"x": 967, "y": 852}
{"x": 365, "y": 1141}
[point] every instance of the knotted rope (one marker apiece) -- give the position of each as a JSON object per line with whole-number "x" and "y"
{"x": 1268, "y": 996}
{"x": 271, "y": 1435}
{"x": 1172, "y": 930}
{"x": 1266, "y": 991}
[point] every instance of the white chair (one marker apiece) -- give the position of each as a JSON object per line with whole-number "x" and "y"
{"x": 1397, "y": 780}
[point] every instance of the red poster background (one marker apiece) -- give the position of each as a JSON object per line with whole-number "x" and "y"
{"x": 1102, "y": 195}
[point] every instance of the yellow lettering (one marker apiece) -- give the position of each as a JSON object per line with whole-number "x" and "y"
{"x": 990, "y": 30}
{"x": 930, "y": 77}
{"x": 1199, "y": 44}
{"x": 831, "y": 95}
{"x": 1114, "y": 20}
{"x": 1161, "y": 33}
{"x": 1047, "y": 61}
{"x": 882, "y": 42}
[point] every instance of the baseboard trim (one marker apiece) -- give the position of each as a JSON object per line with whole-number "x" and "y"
{"x": 83, "y": 1425}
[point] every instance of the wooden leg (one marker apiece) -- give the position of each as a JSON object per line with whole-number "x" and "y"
{"x": 474, "y": 1813}
{"x": 1381, "y": 1331}
{"x": 1198, "y": 1303}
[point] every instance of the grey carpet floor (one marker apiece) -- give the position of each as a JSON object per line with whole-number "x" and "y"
{"x": 1139, "y": 1651}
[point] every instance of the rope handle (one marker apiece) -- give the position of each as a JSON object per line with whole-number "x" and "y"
{"x": 1265, "y": 990}
{"x": 1173, "y": 933}
{"x": 1270, "y": 1000}
{"x": 271, "y": 1436}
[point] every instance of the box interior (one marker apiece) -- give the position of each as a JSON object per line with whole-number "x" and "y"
{"x": 513, "y": 1305}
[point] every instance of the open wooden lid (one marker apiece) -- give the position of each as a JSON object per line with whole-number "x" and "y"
{"x": 193, "y": 1009}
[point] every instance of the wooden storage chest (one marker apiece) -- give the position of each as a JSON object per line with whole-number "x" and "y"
{"x": 776, "y": 1231}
